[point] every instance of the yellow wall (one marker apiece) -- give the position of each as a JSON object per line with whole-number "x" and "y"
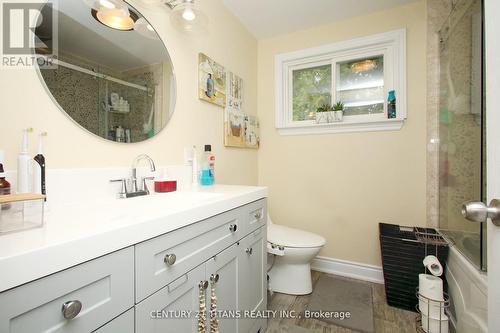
{"x": 342, "y": 185}
{"x": 24, "y": 103}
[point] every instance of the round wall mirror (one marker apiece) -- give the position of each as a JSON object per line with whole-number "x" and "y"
{"x": 111, "y": 73}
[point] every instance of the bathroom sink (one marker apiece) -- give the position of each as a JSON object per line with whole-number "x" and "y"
{"x": 176, "y": 200}
{"x": 121, "y": 212}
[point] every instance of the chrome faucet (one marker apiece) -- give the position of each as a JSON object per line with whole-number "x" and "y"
{"x": 136, "y": 190}
{"x": 152, "y": 168}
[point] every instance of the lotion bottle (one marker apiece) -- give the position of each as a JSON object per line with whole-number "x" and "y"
{"x": 24, "y": 166}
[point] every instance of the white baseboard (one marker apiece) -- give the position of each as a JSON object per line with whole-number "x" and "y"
{"x": 349, "y": 269}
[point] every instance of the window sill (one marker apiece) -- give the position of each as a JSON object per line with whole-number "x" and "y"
{"x": 311, "y": 127}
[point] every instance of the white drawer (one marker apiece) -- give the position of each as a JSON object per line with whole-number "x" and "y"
{"x": 191, "y": 246}
{"x": 180, "y": 297}
{"x": 256, "y": 215}
{"x": 104, "y": 286}
{"x": 123, "y": 324}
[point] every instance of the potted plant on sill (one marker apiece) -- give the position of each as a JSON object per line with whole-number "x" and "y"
{"x": 338, "y": 112}
{"x": 324, "y": 114}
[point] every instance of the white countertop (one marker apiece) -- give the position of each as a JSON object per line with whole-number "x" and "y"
{"x": 74, "y": 234}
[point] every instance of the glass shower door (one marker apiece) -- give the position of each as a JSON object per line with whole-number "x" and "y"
{"x": 461, "y": 128}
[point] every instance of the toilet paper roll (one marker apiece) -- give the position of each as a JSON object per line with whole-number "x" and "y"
{"x": 433, "y": 265}
{"x": 431, "y": 309}
{"x": 431, "y": 287}
{"x": 431, "y": 325}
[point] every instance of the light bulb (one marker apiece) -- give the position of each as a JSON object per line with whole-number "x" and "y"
{"x": 188, "y": 14}
{"x": 107, "y": 4}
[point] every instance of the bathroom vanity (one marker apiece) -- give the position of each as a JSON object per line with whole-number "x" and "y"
{"x": 140, "y": 266}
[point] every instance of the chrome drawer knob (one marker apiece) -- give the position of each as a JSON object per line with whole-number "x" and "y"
{"x": 233, "y": 227}
{"x": 214, "y": 278}
{"x": 258, "y": 215}
{"x": 71, "y": 309}
{"x": 170, "y": 259}
{"x": 249, "y": 251}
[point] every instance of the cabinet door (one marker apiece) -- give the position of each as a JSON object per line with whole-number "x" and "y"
{"x": 253, "y": 279}
{"x": 226, "y": 266}
{"x": 77, "y": 300}
{"x": 190, "y": 246}
{"x": 174, "y": 308}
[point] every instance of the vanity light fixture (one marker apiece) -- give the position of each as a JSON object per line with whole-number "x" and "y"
{"x": 185, "y": 15}
{"x": 113, "y": 14}
{"x": 117, "y": 22}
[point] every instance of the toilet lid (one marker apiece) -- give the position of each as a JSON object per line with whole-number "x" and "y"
{"x": 290, "y": 237}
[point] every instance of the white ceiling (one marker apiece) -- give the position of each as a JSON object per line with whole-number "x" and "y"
{"x": 268, "y": 18}
{"x": 81, "y": 35}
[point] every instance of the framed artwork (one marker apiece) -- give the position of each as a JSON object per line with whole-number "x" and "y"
{"x": 234, "y": 128}
{"x": 252, "y": 132}
{"x": 241, "y": 130}
{"x": 235, "y": 91}
{"x": 212, "y": 81}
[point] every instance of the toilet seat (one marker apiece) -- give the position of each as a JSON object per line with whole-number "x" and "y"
{"x": 293, "y": 238}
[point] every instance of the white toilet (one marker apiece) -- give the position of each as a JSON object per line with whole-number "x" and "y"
{"x": 294, "y": 250}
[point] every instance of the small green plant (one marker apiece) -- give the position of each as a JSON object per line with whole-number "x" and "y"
{"x": 339, "y": 106}
{"x": 325, "y": 108}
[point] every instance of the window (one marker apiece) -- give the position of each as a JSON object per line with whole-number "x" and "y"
{"x": 311, "y": 89}
{"x": 360, "y": 73}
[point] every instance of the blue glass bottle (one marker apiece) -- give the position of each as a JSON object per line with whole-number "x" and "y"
{"x": 391, "y": 106}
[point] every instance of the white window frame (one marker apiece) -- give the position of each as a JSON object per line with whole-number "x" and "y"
{"x": 392, "y": 45}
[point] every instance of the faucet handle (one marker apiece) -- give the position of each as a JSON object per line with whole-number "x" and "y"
{"x": 144, "y": 185}
{"x": 123, "y": 191}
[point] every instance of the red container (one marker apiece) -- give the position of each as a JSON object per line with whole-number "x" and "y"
{"x": 163, "y": 186}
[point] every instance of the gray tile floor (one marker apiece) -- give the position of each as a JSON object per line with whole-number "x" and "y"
{"x": 387, "y": 319}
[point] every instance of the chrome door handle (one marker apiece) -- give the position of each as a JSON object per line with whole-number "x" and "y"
{"x": 479, "y": 212}
{"x": 214, "y": 278}
{"x": 203, "y": 284}
{"x": 170, "y": 259}
{"x": 233, "y": 227}
{"x": 249, "y": 251}
{"x": 71, "y": 309}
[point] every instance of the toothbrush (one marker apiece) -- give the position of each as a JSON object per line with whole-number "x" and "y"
{"x": 39, "y": 169}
